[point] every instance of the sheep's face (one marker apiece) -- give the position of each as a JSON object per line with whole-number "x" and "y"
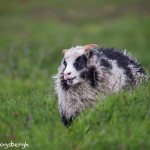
{"x": 74, "y": 62}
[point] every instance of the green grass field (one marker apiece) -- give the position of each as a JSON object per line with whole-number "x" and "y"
{"x": 32, "y": 36}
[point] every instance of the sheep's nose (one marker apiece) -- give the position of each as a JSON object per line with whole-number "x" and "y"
{"x": 67, "y": 73}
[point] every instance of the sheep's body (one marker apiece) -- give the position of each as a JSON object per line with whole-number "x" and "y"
{"x": 106, "y": 71}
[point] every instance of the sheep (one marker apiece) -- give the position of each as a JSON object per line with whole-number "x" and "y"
{"x": 88, "y": 72}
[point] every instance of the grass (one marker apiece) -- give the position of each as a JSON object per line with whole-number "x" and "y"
{"x": 32, "y": 36}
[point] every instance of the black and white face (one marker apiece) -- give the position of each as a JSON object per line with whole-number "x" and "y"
{"x": 74, "y": 63}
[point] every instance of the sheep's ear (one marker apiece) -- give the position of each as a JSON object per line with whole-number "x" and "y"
{"x": 89, "y": 46}
{"x": 64, "y": 51}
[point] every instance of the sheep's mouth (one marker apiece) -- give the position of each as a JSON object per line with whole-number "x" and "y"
{"x": 70, "y": 81}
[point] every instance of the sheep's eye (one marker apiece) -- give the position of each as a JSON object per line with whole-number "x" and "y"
{"x": 80, "y": 62}
{"x": 65, "y": 63}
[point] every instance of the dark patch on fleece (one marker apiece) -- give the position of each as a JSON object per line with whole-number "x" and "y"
{"x": 106, "y": 64}
{"x": 66, "y": 121}
{"x": 122, "y": 60}
{"x": 80, "y": 63}
{"x": 138, "y": 66}
{"x": 91, "y": 75}
{"x": 90, "y": 53}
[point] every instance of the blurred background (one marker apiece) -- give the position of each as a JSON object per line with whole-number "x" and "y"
{"x": 33, "y": 34}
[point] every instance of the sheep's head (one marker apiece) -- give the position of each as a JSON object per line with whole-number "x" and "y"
{"x": 74, "y": 62}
